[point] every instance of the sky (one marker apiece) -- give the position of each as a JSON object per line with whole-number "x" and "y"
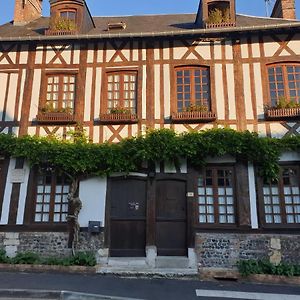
{"x": 138, "y": 7}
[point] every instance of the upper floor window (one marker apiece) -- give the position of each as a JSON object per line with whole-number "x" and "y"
{"x": 216, "y": 198}
{"x": 60, "y": 93}
{"x": 281, "y": 200}
{"x": 121, "y": 92}
{"x": 68, "y": 14}
{"x": 193, "y": 89}
{"x": 51, "y": 203}
{"x": 284, "y": 84}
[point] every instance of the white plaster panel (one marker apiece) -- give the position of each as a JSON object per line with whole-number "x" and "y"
{"x": 244, "y": 48}
{"x": 289, "y": 156}
{"x": 166, "y": 50}
{"x": 156, "y": 53}
{"x": 11, "y": 100}
{"x": 250, "y": 127}
{"x": 228, "y": 50}
{"x": 88, "y": 94}
{"x": 3, "y": 84}
{"x": 13, "y": 55}
{"x": 270, "y": 46}
{"x": 204, "y": 50}
{"x": 231, "y": 91}
{"x": 76, "y": 57}
{"x": 247, "y": 92}
{"x": 109, "y": 54}
{"x": 157, "y": 90}
{"x": 156, "y": 126}
{"x": 179, "y": 52}
{"x": 134, "y": 129}
{"x": 50, "y": 53}
{"x": 218, "y": 50}
{"x": 167, "y": 92}
{"x": 179, "y": 128}
{"x": 24, "y": 54}
{"x": 35, "y": 96}
{"x": 284, "y": 53}
{"x": 39, "y": 54}
{"x": 258, "y": 90}
{"x": 7, "y": 193}
{"x": 255, "y": 47}
{"x": 126, "y": 53}
{"x": 232, "y": 126}
{"x": 144, "y": 94}
{"x": 15, "y": 131}
{"x": 43, "y": 132}
{"x": 21, "y": 93}
{"x": 277, "y": 130}
{"x": 100, "y": 53}
{"x": 261, "y": 128}
{"x": 23, "y": 194}
{"x": 252, "y": 194}
{"x": 135, "y": 51}
{"x": 106, "y": 133}
{"x": 96, "y": 136}
{"x": 90, "y": 53}
{"x": 66, "y": 55}
{"x": 123, "y": 133}
{"x": 92, "y": 193}
{"x": 219, "y": 92}
{"x": 144, "y": 53}
{"x": 294, "y": 45}
{"x": 98, "y": 87}
{"x": 31, "y": 130}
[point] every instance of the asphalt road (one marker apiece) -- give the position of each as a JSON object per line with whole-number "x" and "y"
{"x": 149, "y": 289}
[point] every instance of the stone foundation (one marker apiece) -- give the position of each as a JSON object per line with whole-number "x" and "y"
{"x": 216, "y": 250}
{"x": 48, "y": 243}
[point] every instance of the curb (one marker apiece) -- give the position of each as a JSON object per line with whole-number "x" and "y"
{"x": 55, "y": 295}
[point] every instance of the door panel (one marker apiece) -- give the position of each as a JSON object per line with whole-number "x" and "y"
{"x": 128, "y": 217}
{"x": 171, "y": 217}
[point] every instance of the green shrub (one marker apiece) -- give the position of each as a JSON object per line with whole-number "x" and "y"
{"x": 84, "y": 259}
{"x": 3, "y": 257}
{"x": 28, "y": 258}
{"x": 247, "y": 267}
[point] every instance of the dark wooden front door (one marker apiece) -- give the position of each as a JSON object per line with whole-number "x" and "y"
{"x": 128, "y": 217}
{"x": 171, "y": 217}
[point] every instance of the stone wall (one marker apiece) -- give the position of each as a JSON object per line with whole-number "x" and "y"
{"x": 224, "y": 250}
{"x": 48, "y": 243}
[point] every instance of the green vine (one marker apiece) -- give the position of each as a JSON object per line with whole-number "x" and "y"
{"x": 80, "y": 157}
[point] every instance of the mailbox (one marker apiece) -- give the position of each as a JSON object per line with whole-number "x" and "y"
{"x": 94, "y": 226}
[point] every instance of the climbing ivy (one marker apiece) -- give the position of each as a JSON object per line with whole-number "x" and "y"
{"x": 81, "y": 157}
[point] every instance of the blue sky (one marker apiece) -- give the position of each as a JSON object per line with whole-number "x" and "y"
{"x": 137, "y": 7}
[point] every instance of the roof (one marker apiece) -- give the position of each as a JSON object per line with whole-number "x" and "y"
{"x": 144, "y": 26}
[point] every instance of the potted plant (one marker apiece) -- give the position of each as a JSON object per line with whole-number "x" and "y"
{"x": 49, "y": 113}
{"x": 119, "y": 115}
{"x": 60, "y": 26}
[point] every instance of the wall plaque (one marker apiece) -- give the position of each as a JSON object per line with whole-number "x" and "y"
{"x": 17, "y": 176}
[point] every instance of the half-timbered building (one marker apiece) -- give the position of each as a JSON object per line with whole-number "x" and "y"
{"x": 118, "y": 77}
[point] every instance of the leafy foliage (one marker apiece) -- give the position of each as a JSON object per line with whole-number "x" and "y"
{"x": 247, "y": 267}
{"x": 78, "y": 156}
{"x": 30, "y": 258}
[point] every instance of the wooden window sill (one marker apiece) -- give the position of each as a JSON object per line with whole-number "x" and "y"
{"x": 121, "y": 118}
{"x": 56, "y": 117}
{"x": 194, "y": 116}
{"x": 282, "y": 113}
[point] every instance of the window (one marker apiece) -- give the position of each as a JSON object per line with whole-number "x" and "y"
{"x": 284, "y": 82}
{"x": 68, "y": 14}
{"x": 60, "y": 93}
{"x": 122, "y": 92}
{"x": 281, "y": 200}
{"x": 216, "y": 199}
{"x": 193, "y": 88}
{"x": 51, "y": 203}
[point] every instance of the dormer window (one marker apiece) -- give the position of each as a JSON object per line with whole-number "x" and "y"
{"x": 216, "y": 13}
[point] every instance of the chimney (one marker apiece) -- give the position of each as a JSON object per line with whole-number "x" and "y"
{"x": 284, "y": 9}
{"x": 27, "y": 11}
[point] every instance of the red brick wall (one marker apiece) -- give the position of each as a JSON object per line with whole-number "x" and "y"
{"x": 27, "y": 11}
{"x": 284, "y": 9}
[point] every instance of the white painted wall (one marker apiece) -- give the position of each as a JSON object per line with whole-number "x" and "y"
{"x": 252, "y": 194}
{"x": 92, "y": 193}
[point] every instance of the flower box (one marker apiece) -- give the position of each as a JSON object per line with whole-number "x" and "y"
{"x": 193, "y": 116}
{"x": 282, "y": 113}
{"x": 118, "y": 118}
{"x": 219, "y": 25}
{"x": 60, "y": 32}
{"x": 55, "y": 117}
